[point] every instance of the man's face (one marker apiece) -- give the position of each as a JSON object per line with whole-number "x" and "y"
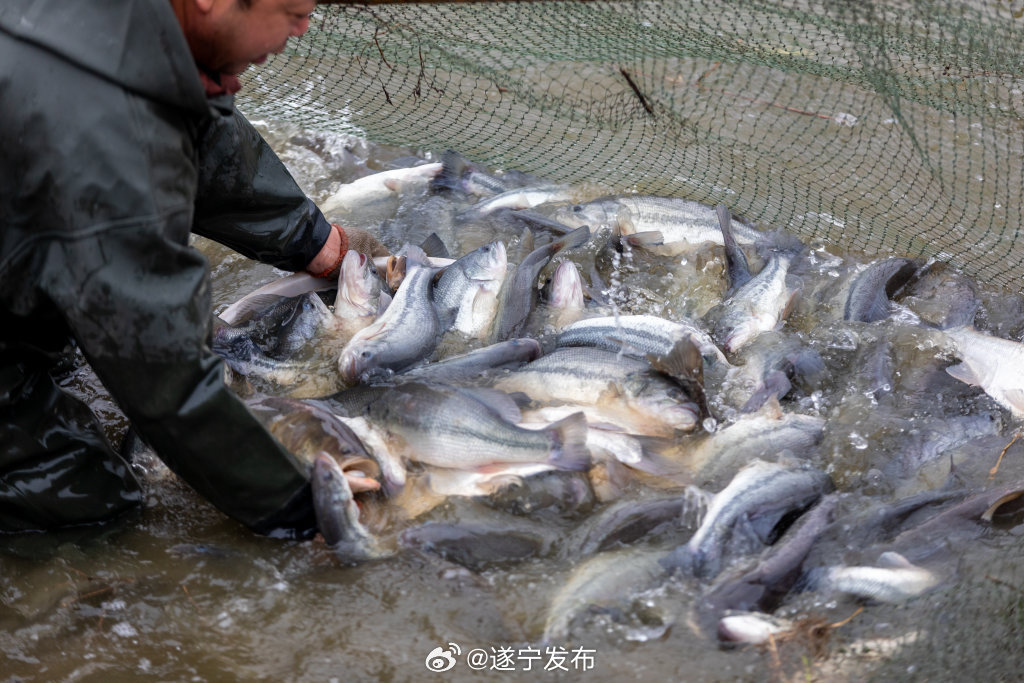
{"x": 231, "y": 36}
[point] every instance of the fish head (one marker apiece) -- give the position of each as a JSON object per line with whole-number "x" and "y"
{"x": 357, "y": 360}
{"x": 489, "y": 262}
{"x": 594, "y": 214}
{"x": 566, "y": 287}
{"x": 358, "y": 283}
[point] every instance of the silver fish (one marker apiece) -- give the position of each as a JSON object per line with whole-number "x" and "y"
{"x": 759, "y": 496}
{"x": 519, "y": 290}
{"x": 337, "y": 514}
{"x": 471, "y": 366}
{"x": 897, "y": 580}
{"x": 447, "y": 426}
{"x": 407, "y": 331}
{"x": 639, "y": 335}
{"x": 682, "y": 223}
{"x": 768, "y": 367}
{"x": 372, "y": 198}
{"x": 466, "y": 292}
{"x": 608, "y": 581}
{"x": 871, "y": 289}
{"x": 565, "y": 300}
{"x": 992, "y": 363}
{"x": 623, "y": 391}
{"x": 773, "y": 575}
{"x": 755, "y": 307}
{"x": 738, "y": 626}
{"x": 518, "y": 198}
{"x": 766, "y": 433}
{"x": 362, "y": 293}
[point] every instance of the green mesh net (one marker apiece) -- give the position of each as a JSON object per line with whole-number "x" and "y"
{"x": 877, "y": 126}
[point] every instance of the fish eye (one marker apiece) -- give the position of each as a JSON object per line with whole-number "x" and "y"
{"x": 578, "y": 208}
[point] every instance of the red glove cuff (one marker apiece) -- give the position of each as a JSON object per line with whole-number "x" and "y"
{"x": 342, "y": 249}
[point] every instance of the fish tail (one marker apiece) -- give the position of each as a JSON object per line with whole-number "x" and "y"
{"x": 453, "y": 167}
{"x": 569, "y": 443}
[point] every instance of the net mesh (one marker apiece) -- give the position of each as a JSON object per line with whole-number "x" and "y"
{"x": 878, "y": 126}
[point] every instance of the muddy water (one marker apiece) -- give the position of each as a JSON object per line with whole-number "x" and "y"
{"x": 179, "y": 592}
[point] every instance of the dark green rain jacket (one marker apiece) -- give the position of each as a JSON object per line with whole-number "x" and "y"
{"x": 110, "y": 155}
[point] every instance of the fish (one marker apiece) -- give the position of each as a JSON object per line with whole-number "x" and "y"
{"x": 308, "y": 429}
{"x": 871, "y": 289}
{"x": 563, "y": 295}
{"x": 760, "y": 496}
{"x": 757, "y": 306}
{"x": 293, "y": 378}
{"x": 374, "y": 197}
{"x": 640, "y": 335}
{"x": 466, "y": 292}
{"x": 362, "y": 294}
{"x": 772, "y": 576}
{"x": 337, "y": 514}
{"x": 471, "y": 366}
{"x": 769, "y": 366}
{"x": 256, "y": 302}
{"x": 518, "y": 293}
{"x": 478, "y": 545}
{"x": 557, "y": 493}
{"x": 765, "y": 433}
{"x": 447, "y": 426}
{"x": 624, "y": 522}
{"x": 607, "y": 582}
{"x": 620, "y": 390}
{"x": 895, "y": 581}
{"x": 683, "y": 223}
{"x": 279, "y": 326}
{"x": 992, "y": 363}
{"x": 482, "y": 482}
{"x": 408, "y": 331}
{"x": 753, "y": 628}
{"x": 516, "y": 198}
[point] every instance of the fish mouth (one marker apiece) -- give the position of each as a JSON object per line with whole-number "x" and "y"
{"x": 348, "y": 367}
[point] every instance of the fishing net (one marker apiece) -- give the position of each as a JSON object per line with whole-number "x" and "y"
{"x": 875, "y": 125}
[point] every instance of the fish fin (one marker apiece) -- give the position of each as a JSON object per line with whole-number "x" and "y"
{"x": 790, "y": 303}
{"x": 964, "y": 373}
{"x": 685, "y": 365}
{"x": 776, "y": 385}
{"x": 737, "y": 268}
{"x": 498, "y": 401}
{"x": 245, "y": 308}
{"x": 393, "y": 185}
{"x": 1015, "y": 397}
{"x": 538, "y": 221}
{"x": 576, "y": 238}
{"x": 893, "y": 559}
{"x": 383, "y": 302}
{"x": 647, "y": 238}
{"x": 569, "y": 449}
{"x": 435, "y": 246}
{"x": 416, "y": 256}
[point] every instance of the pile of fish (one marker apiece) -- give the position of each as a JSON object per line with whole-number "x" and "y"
{"x": 648, "y": 388}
